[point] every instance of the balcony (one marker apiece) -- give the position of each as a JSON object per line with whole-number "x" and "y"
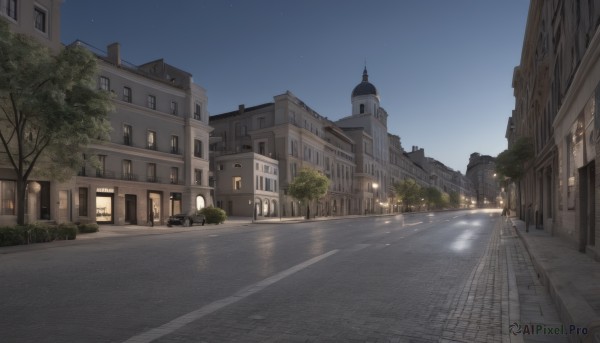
{"x": 129, "y": 177}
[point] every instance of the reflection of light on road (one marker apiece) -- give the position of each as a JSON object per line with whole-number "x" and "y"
{"x": 265, "y": 246}
{"x": 431, "y": 215}
{"x": 202, "y": 256}
{"x": 463, "y": 241}
{"x": 317, "y": 245}
{"x": 411, "y": 224}
{"x": 387, "y": 222}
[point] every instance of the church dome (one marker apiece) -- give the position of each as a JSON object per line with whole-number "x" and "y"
{"x": 365, "y": 87}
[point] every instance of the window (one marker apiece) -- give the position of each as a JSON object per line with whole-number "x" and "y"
{"x": 104, "y": 83}
{"x": 151, "y": 172}
{"x": 237, "y": 165}
{"x": 257, "y": 166}
{"x": 262, "y": 187}
{"x": 261, "y": 122}
{"x": 198, "y": 176}
{"x": 83, "y": 202}
{"x": 152, "y": 102}
{"x": 174, "y": 144}
{"x": 267, "y": 169}
{"x": 221, "y": 166}
{"x": 151, "y": 140}
{"x": 174, "y": 175}
{"x": 7, "y": 197}
{"x": 127, "y": 134}
{"x": 126, "y": 94}
{"x": 237, "y": 183}
{"x": 198, "y": 111}
{"x": 362, "y": 108}
{"x": 174, "y": 110}
{"x": 262, "y": 148}
{"x": 39, "y": 17}
{"x": 198, "y": 148}
{"x": 101, "y": 166}
{"x": 127, "y": 169}
{"x": 11, "y": 9}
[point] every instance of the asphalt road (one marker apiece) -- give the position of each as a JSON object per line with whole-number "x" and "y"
{"x": 390, "y": 278}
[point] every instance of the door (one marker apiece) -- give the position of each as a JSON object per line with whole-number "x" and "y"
{"x": 130, "y": 209}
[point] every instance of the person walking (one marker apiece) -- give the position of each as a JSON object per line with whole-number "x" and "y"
{"x": 151, "y": 217}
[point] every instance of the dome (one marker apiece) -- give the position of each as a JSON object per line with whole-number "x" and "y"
{"x": 365, "y": 87}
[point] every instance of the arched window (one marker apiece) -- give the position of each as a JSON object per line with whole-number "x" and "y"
{"x": 200, "y": 203}
{"x": 266, "y": 207}
{"x": 362, "y": 108}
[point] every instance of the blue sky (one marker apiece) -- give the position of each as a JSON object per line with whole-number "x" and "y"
{"x": 443, "y": 68}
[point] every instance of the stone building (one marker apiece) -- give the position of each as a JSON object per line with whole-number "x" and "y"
{"x": 557, "y": 87}
{"x": 296, "y": 136}
{"x": 41, "y": 21}
{"x": 481, "y": 170}
{"x": 357, "y": 153}
{"x": 157, "y": 157}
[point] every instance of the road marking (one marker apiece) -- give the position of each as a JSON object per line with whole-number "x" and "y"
{"x": 182, "y": 321}
{"x": 411, "y": 224}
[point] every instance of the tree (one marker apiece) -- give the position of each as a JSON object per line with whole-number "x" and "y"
{"x": 409, "y": 191}
{"x": 307, "y": 186}
{"x": 454, "y": 199}
{"x": 433, "y": 197}
{"x": 50, "y": 109}
{"x": 511, "y": 162}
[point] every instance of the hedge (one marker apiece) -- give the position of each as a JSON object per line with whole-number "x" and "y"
{"x": 88, "y": 228}
{"x": 34, "y": 233}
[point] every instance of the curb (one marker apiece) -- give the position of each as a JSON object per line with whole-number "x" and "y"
{"x": 572, "y": 308}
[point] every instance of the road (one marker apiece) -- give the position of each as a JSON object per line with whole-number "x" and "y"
{"x": 388, "y": 278}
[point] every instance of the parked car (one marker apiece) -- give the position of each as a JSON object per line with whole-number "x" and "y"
{"x": 186, "y": 219}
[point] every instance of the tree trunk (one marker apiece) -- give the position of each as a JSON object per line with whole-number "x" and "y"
{"x": 307, "y": 210}
{"x": 21, "y": 190}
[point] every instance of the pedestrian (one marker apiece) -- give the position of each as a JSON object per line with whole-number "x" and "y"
{"x": 151, "y": 215}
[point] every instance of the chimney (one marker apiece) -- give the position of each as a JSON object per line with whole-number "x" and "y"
{"x": 241, "y": 108}
{"x": 114, "y": 53}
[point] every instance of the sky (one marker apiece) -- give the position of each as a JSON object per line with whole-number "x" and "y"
{"x": 443, "y": 68}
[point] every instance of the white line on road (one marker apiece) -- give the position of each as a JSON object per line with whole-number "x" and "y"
{"x": 180, "y": 322}
{"x": 411, "y": 224}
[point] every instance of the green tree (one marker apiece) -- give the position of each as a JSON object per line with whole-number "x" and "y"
{"x": 307, "y": 186}
{"x": 409, "y": 191}
{"x": 511, "y": 162}
{"x": 433, "y": 197}
{"x": 50, "y": 109}
{"x": 454, "y": 199}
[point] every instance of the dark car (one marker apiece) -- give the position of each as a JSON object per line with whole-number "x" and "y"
{"x": 186, "y": 219}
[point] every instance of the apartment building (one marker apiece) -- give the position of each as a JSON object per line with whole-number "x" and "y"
{"x": 157, "y": 157}
{"x": 39, "y": 19}
{"x": 481, "y": 170}
{"x": 358, "y": 155}
{"x": 294, "y": 135}
{"x": 557, "y": 90}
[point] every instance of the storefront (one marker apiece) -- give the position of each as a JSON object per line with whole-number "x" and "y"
{"x": 105, "y": 205}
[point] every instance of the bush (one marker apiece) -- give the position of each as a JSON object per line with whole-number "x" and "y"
{"x": 88, "y": 228}
{"x": 12, "y": 236}
{"x": 35, "y": 233}
{"x": 67, "y": 231}
{"x": 213, "y": 215}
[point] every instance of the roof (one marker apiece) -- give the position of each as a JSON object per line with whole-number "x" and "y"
{"x": 365, "y": 87}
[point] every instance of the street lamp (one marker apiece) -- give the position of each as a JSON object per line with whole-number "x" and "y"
{"x": 375, "y": 186}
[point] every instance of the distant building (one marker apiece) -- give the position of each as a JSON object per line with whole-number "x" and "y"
{"x": 362, "y": 160}
{"x": 482, "y": 173}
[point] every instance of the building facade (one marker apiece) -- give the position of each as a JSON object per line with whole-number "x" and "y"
{"x": 360, "y": 157}
{"x": 39, "y": 19}
{"x": 481, "y": 170}
{"x": 157, "y": 157}
{"x": 557, "y": 88}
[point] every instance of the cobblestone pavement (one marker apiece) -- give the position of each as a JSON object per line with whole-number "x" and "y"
{"x": 425, "y": 278}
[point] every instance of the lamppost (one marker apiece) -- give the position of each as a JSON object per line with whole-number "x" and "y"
{"x": 375, "y": 186}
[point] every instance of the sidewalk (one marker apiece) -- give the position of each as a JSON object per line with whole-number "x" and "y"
{"x": 571, "y": 278}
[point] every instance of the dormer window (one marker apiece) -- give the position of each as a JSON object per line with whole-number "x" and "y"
{"x": 362, "y": 108}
